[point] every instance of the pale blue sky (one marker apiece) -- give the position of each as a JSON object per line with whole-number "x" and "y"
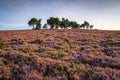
{"x": 103, "y": 14}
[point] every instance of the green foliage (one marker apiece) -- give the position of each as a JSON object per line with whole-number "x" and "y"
{"x": 56, "y": 23}
{"x": 35, "y": 23}
{"x": 86, "y": 24}
{"x": 82, "y": 26}
{"x": 38, "y": 26}
{"x": 45, "y": 26}
{"x": 91, "y": 26}
{"x": 53, "y": 22}
{"x": 65, "y": 23}
{"x": 74, "y": 24}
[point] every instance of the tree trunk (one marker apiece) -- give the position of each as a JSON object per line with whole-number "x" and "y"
{"x": 33, "y": 27}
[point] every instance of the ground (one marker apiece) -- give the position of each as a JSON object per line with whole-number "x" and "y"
{"x": 70, "y": 54}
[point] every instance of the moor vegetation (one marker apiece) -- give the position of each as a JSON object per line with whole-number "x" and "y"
{"x": 64, "y": 54}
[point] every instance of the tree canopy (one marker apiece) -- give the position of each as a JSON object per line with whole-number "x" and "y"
{"x": 36, "y": 24}
{"x": 56, "y": 23}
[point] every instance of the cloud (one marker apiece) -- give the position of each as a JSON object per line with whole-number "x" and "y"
{"x": 103, "y": 14}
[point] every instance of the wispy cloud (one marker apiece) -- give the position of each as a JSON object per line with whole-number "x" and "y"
{"x": 103, "y": 14}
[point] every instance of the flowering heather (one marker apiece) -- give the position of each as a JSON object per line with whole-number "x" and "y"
{"x": 74, "y": 54}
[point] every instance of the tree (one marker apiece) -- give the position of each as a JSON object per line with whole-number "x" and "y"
{"x": 54, "y": 22}
{"x": 86, "y": 24}
{"x": 35, "y": 23}
{"x": 74, "y": 25}
{"x": 91, "y": 26}
{"x": 82, "y": 26}
{"x": 57, "y": 22}
{"x": 38, "y": 26}
{"x": 61, "y": 24}
{"x": 45, "y": 26}
{"x": 65, "y": 23}
{"x": 51, "y": 22}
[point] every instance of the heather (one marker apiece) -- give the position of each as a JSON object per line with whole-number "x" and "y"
{"x": 64, "y": 54}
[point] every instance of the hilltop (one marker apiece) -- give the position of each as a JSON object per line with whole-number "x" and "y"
{"x": 69, "y": 54}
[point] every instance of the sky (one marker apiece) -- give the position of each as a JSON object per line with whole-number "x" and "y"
{"x": 103, "y": 14}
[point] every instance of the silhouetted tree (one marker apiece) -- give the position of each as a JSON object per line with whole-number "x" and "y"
{"x": 38, "y": 26}
{"x": 91, "y": 26}
{"x": 65, "y": 23}
{"x": 82, "y": 26}
{"x": 33, "y": 22}
{"x": 61, "y": 24}
{"x": 86, "y": 24}
{"x": 57, "y": 22}
{"x": 45, "y": 26}
{"x": 51, "y": 22}
{"x": 74, "y": 25}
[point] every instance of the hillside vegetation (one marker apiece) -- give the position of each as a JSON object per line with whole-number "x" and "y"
{"x": 71, "y": 54}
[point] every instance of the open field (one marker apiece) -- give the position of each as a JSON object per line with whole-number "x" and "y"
{"x": 71, "y": 54}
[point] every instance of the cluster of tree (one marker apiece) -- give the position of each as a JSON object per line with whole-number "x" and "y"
{"x": 35, "y": 23}
{"x": 56, "y": 23}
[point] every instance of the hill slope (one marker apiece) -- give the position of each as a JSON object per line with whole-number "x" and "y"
{"x": 60, "y": 55}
